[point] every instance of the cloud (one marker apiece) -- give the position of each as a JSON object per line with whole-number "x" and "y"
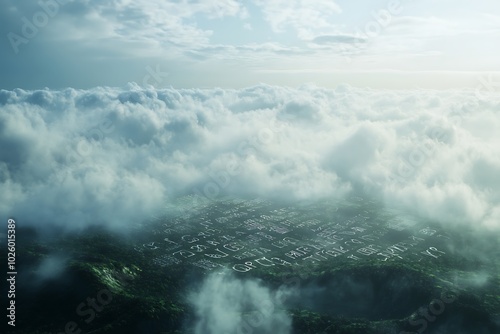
{"x": 225, "y": 304}
{"x": 305, "y": 18}
{"x": 120, "y": 28}
{"x": 336, "y": 39}
{"x": 88, "y": 43}
{"x": 110, "y": 156}
{"x": 151, "y": 21}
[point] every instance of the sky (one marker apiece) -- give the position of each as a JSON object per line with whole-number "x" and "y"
{"x": 235, "y": 44}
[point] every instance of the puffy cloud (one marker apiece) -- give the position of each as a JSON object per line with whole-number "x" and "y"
{"x": 225, "y": 304}
{"x": 113, "y": 156}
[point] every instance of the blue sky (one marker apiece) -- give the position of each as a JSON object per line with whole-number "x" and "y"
{"x": 229, "y": 43}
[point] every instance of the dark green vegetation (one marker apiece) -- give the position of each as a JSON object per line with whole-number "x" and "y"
{"x": 353, "y": 267}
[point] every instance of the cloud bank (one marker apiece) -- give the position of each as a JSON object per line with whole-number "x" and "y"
{"x": 110, "y": 156}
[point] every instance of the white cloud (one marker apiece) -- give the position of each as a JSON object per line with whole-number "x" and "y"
{"x": 225, "y": 304}
{"x": 306, "y": 18}
{"x": 165, "y": 24}
{"x": 111, "y": 156}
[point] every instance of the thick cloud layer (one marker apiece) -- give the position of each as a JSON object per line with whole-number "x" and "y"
{"x": 225, "y": 304}
{"x": 113, "y": 156}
